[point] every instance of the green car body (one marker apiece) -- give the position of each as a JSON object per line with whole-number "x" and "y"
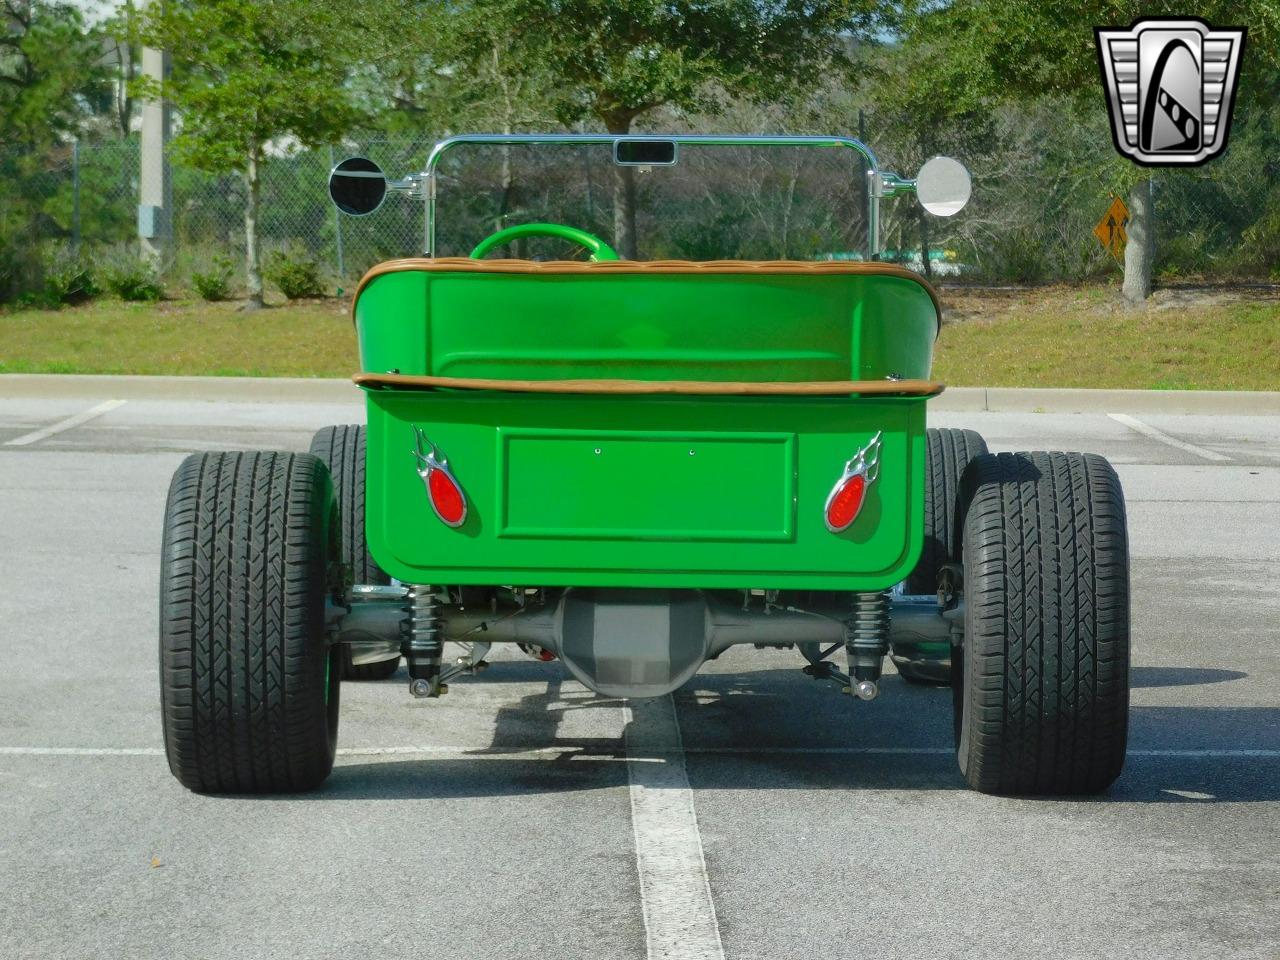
{"x": 632, "y": 467}
{"x": 665, "y": 490}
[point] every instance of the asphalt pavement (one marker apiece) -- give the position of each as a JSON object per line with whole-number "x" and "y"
{"x": 754, "y": 814}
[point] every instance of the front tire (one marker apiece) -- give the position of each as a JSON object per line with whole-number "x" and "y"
{"x": 248, "y": 681}
{"x": 948, "y": 453}
{"x": 1041, "y": 689}
{"x": 342, "y": 448}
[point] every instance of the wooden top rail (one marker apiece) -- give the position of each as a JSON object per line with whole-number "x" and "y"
{"x": 772, "y": 388}
{"x": 604, "y": 268}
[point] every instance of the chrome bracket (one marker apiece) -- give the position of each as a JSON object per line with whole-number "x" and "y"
{"x": 886, "y": 184}
{"x": 470, "y": 663}
{"x": 411, "y": 185}
{"x": 427, "y": 454}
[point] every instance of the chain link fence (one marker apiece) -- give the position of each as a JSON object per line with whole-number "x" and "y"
{"x": 1031, "y": 218}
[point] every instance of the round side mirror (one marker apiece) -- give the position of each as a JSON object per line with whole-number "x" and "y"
{"x": 943, "y": 186}
{"x": 357, "y": 186}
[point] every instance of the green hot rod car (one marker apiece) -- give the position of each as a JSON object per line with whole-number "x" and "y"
{"x": 631, "y": 465}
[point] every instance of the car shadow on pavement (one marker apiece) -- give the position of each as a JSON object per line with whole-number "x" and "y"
{"x": 774, "y": 730}
{"x": 1140, "y": 677}
{"x": 1167, "y": 780}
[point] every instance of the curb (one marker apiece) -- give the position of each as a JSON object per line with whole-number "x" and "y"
{"x": 212, "y": 389}
{"x": 1064, "y": 400}
{"x": 955, "y": 399}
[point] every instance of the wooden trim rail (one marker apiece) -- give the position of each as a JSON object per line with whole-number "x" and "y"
{"x": 805, "y": 268}
{"x": 808, "y": 388}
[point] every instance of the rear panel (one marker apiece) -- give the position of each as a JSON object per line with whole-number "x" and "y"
{"x": 644, "y": 491}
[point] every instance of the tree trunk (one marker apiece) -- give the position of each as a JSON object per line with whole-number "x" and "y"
{"x": 509, "y": 200}
{"x": 508, "y": 115}
{"x": 624, "y": 199}
{"x": 252, "y": 255}
{"x": 1140, "y": 251}
{"x": 926, "y": 264}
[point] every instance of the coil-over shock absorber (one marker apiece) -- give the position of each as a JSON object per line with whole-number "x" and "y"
{"x": 867, "y": 642}
{"x": 422, "y": 642}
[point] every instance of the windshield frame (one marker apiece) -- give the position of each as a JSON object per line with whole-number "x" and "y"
{"x": 876, "y": 181}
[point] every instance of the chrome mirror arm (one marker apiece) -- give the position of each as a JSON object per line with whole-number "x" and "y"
{"x": 881, "y": 184}
{"x": 410, "y": 186}
{"x": 891, "y": 185}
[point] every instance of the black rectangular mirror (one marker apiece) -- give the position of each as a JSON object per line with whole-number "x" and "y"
{"x": 644, "y": 153}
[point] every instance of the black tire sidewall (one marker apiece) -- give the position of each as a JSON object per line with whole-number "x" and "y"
{"x": 250, "y": 685}
{"x": 1053, "y": 680}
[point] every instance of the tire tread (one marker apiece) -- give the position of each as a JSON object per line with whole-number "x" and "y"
{"x": 244, "y": 574}
{"x": 1042, "y": 706}
{"x": 342, "y": 448}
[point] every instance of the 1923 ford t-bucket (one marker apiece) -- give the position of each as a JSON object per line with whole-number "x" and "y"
{"x": 630, "y": 466}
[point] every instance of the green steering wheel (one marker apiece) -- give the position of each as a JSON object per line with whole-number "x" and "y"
{"x": 598, "y": 248}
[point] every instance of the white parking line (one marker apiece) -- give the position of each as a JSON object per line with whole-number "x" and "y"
{"x": 675, "y": 894}
{"x": 1147, "y": 430}
{"x": 73, "y": 421}
{"x": 635, "y": 756}
{"x": 82, "y": 751}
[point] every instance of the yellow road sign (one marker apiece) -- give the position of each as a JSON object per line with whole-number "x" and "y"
{"x": 1111, "y": 229}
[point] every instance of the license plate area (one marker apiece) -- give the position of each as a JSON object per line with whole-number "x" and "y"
{"x": 646, "y": 485}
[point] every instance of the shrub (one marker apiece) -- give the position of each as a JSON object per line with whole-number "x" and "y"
{"x": 134, "y": 282}
{"x": 1015, "y": 256}
{"x": 1188, "y": 253}
{"x": 1259, "y": 250}
{"x": 69, "y": 277}
{"x": 297, "y": 275}
{"x": 216, "y": 283}
{"x": 19, "y": 264}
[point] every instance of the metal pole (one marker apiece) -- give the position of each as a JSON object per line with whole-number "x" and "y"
{"x": 873, "y": 207}
{"x": 155, "y": 191}
{"x": 429, "y": 228}
{"x": 874, "y": 186}
{"x": 75, "y": 196}
{"x": 337, "y": 228}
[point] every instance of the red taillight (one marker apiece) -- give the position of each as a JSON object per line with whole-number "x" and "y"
{"x": 446, "y": 497}
{"x": 443, "y": 490}
{"x": 845, "y": 502}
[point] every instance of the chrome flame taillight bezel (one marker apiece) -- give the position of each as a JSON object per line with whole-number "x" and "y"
{"x": 430, "y": 460}
{"x": 866, "y": 464}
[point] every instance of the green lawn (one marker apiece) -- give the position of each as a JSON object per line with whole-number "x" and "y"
{"x": 313, "y": 339}
{"x": 1183, "y": 339}
{"x": 1048, "y": 337}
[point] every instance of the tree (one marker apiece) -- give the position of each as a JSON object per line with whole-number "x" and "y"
{"x": 48, "y": 75}
{"x": 437, "y": 69}
{"x": 1028, "y": 48}
{"x": 609, "y": 62}
{"x": 48, "y": 68}
{"x": 247, "y": 75}
{"x": 907, "y": 100}
{"x": 122, "y": 59}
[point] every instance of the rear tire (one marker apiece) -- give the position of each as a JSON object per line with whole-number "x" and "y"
{"x": 1041, "y": 690}
{"x": 342, "y": 448}
{"x": 249, "y": 684}
{"x": 948, "y": 453}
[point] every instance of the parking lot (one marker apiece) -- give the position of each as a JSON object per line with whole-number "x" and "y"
{"x": 754, "y": 814}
